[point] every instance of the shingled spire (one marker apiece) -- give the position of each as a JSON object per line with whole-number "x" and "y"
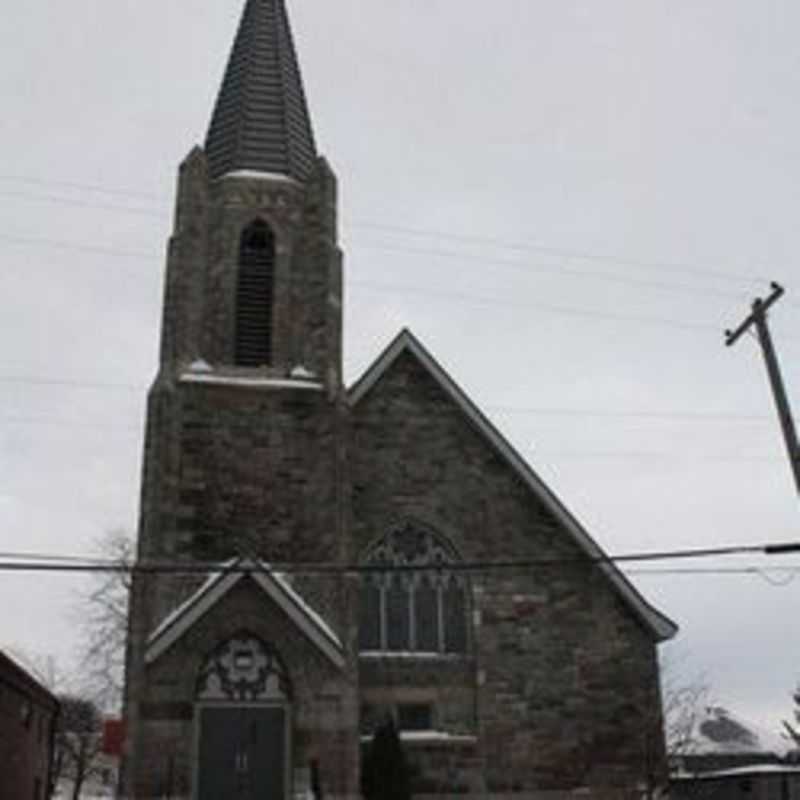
{"x": 261, "y": 121}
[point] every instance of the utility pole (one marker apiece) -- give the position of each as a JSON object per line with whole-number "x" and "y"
{"x": 758, "y": 317}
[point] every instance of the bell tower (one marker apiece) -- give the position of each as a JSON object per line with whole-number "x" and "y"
{"x": 254, "y": 272}
{"x": 244, "y": 417}
{"x": 246, "y": 421}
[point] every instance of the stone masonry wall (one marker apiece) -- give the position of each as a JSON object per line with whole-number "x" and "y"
{"x": 202, "y": 268}
{"x": 323, "y": 703}
{"x": 564, "y": 679}
{"x": 238, "y": 470}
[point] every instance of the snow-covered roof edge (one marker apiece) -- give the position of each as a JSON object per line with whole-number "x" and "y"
{"x": 25, "y": 672}
{"x": 735, "y": 735}
{"x": 738, "y": 772}
{"x": 275, "y": 585}
{"x": 258, "y": 175}
{"x": 249, "y": 381}
{"x": 662, "y": 627}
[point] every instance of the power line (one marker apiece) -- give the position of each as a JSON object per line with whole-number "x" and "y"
{"x": 465, "y": 297}
{"x": 649, "y": 455}
{"x": 567, "y": 252}
{"x": 37, "y": 241}
{"x": 689, "y": 416}
{"x": 678, "y": 415}
{"x": 33, "y": 380}
{"x": 66, "y": 423}
{"x": 653, "y": 455}
{"x": 71, "y": 201}
{"x": 461, "y": 257}
{"x": 498, "y": 242}
{"x": 89, "y": 187}
{"x": 582, "y": 455}
{"x": 745, "y": 570}
{"x": 560, "y": 269}
{"x": 665, "y": 416}
{"x": 10, "y": 562}
{"x": 36, "y": 557}
{"x": 774, "y": 576}
{"x": 462, "y": 297}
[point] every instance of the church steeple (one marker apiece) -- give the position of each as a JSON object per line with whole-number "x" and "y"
{"x": 254, "y": 268}
{"x": 261, "y": 121}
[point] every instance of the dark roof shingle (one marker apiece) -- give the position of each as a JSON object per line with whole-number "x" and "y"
{"x": 261, "y": 121}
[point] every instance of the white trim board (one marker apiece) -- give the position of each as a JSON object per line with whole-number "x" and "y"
{"x": 274, "y": 585}
{"x": 249, "y": 382}
{"x": 661, "y": 626}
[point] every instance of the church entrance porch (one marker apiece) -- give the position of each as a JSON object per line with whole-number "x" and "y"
{"x": 243, "y": 723}
{"x": 242, "y": 753}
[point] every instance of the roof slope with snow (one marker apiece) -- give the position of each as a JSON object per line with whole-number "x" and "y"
{"x": 719, "y": 732}
{"x": 661, "y": 626}
{"x": 275, "y": 585}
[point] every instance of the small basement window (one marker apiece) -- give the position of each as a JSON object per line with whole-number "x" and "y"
{"x": 415, "y": 717}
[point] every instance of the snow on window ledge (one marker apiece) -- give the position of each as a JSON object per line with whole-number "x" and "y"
{"x": 431, "y": 737}
{"x": 256, "y": 175}
{"x": 302, "y": 373}
{"x": 408, "y": 655}
{"x": 249, "y": 381}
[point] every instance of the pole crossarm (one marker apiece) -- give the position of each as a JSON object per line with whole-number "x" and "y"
{"x": 760, "y": 308}
{"x": 758, "y": 318}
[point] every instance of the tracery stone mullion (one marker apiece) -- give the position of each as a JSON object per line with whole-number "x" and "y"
{"x": 408, "y": 598}
{"x": 384, "y": 616}
{"x": 426, "y": 609}
{"x": 440, "y": 616}
{"x": 412, "y": 617}
{"x": 398, "y": 630}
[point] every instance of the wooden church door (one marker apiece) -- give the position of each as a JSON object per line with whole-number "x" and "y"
{"x": 242, "y": 724}
{"x": 242, "y": 753}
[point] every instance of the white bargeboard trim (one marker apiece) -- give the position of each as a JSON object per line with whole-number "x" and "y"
{"x": 661, "y": 626}
{"x": 275, "y": 586}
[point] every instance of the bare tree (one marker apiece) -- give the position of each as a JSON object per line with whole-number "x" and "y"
{"x": 78, "y": 742}
{"x": 791, "y": 729}
{"x": 104, "y": 618}
{"x": 670, "y": 726}
{"x": 683, "y": 710}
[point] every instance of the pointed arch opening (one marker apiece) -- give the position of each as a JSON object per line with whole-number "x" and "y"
{"x": 243, "y": 739}
{"x": 419, "y": 610}
{"x": 255, "y": 296}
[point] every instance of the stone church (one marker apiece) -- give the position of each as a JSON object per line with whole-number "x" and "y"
{"x": 313, "y": 557}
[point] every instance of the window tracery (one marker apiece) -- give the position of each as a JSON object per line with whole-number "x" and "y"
{"x": 414, "y": 610}
{"x": 243, "y": 669}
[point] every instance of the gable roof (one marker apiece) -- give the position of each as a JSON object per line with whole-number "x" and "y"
{"x": 405, "y": 342}
{"x": 274, "y": 584}
{"x": 718, "y": 731}
{"x": 261, "y": 122}
{"x": 24, "y": 678}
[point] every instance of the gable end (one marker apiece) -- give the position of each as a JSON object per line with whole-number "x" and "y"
{"x": 274, "y": 585}
{"x": 660, "y": 626}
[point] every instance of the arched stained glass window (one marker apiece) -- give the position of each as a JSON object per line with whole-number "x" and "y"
{"x": 254, "y": 296}
{"x": 420, "y": 611}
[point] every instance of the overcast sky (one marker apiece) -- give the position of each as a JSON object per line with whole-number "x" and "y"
{"x": 568, "y": 202}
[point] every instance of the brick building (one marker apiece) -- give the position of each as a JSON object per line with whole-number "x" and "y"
{"x": 27, "y": 722}
{"x": 262, "y": 663}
